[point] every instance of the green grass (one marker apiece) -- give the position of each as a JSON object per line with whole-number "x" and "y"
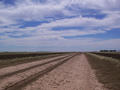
{"x": 107, "y": 70}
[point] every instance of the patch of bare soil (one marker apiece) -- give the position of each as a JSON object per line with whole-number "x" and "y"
{"x": 76, "y": 74}
{"x": 18, "y": 77}
{"x": 11, "y": 69}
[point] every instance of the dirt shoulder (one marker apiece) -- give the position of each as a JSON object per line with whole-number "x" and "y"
{"x": 107, "y": 70}
{"x": 76, "y": 74}
{"x": 11, "y": 80}
{"x": 18, "y": 61}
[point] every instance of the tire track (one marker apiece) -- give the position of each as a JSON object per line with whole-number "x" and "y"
{"x": 23, "y": 70}
{"x": 15, "y": 63}
{"x": 19, "y": 85}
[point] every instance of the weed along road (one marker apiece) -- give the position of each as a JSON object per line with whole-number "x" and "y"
{"x": 66, "y": 72}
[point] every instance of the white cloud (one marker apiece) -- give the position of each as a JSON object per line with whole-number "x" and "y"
{"x": 43, "y": 35}
{"x": 29, "y": 10}
{"x": 62, "y": 44}
{"x": 91, "y": 26}
{"x": 111, "y": 21}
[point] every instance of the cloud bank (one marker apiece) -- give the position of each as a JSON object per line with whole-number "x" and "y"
{"x": 45, "y": 24}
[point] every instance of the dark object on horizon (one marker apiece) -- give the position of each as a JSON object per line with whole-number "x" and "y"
{"x": 108, "y": 51}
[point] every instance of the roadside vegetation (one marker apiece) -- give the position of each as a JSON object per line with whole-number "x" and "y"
{"x": 13, "y": 55}
{"x": 115, "y": 55}
{"x": 6, "y": 59}
{"x": 107, "y": 70}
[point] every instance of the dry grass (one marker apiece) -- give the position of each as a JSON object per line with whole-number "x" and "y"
{"x": 16, "y": 61}
{"x": 13, "y": 55}
{"x": 107, "y": 70}
{"x": 115, "y": 55}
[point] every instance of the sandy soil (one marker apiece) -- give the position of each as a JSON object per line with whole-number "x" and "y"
{"x": 11, "y": 80}
{"x": 76, "y": 74}
{"x": 10, "y": 69}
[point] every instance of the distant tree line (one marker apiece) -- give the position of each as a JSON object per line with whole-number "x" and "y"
{"x": 108, "y": 50}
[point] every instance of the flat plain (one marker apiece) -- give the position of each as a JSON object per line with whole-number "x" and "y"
{"x": 57, "y": 71}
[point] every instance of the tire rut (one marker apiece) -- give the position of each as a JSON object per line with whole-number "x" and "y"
{"x": 19, "y": 85}
{"x": 23, "y": 70}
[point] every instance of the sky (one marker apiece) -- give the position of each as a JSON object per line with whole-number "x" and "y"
{"x": 59, "y": 25}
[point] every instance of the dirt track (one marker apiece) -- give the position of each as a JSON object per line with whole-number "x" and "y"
{"x": 72, "y": 74}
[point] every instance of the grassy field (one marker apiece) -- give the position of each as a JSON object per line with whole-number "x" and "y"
{"x": 14, "y": 58}
{"x": 115, "y": 55}
{"x": 13, "y": 55}
{"x": 107, "y": 70}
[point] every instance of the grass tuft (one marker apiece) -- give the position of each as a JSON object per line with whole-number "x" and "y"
{"x": 107, "y": 70}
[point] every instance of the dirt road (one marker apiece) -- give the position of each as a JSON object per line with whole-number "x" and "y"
{"x": 73, "y": 73}
{"x": 76, "y": 74}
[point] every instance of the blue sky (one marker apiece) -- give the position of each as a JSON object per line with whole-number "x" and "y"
{"x": 59, "y": 25}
